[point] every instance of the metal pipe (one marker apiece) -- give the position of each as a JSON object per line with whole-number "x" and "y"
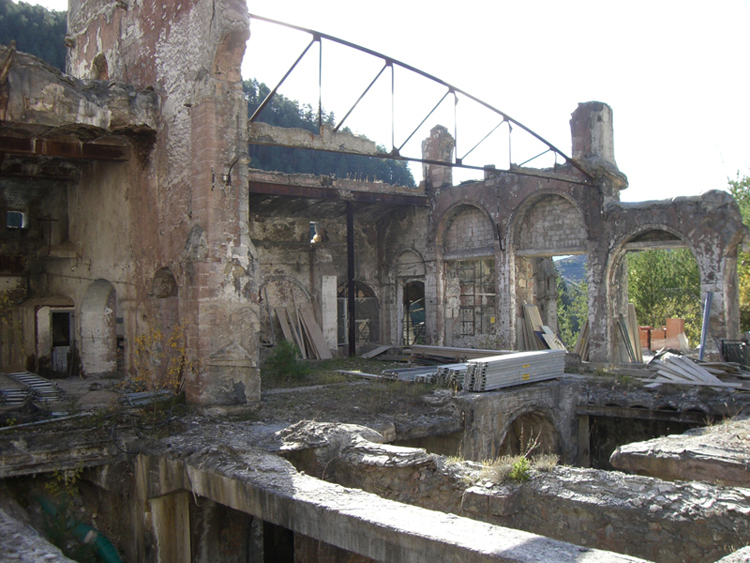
{"x": 318, "y": 35}
{"x": 270, "y": 96}
{"x": 350, "y": 278}
{"x": 374, "y": 80}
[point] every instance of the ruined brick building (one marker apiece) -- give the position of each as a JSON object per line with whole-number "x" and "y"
{"x": 129, "y": 206}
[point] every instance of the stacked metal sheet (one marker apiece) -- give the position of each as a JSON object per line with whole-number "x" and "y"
{"x": 451, "y": 375}
{"x": 496, "y": 372}
{"x": 39, "y": 388}
{"x": 13, "y": 393}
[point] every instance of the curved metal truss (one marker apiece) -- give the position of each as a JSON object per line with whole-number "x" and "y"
{"x": 389, "y": 64}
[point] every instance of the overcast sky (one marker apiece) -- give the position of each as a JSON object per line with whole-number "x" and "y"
{"x": 674, "y": 72}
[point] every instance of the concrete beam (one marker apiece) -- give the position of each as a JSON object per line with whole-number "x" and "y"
{"x": 547, "y": 252}
{"x": 265, "y": 134}
{"x": 30, "y": 452}
{"x": 270, "y": 488}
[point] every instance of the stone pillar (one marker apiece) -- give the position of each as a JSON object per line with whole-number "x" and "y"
{"x": 592, "y": 132}
{"x": 594, "y": 147}
{"x": 438, "y": 147}
{"x": 329, "y": 310}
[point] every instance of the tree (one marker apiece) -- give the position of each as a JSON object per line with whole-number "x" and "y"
{"x": 284, "y": 112}
{"x": 666, "y": 283}
{"x": 740, "y": 190}
{"x": 36, "y": 30}
{"x": 572, "y": 309}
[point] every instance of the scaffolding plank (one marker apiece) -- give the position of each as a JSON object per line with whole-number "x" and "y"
{"x": 313, "y": 331}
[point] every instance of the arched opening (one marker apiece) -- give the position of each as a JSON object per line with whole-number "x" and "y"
{"x": 99, "y": 350}
{"x": 414, "y": 314}
{"x": 469, "y": 295}
{"x": 551, "y": 268}
{"x": 366, "y": 315}
{"x": 658, "y": 273}
{"x": 531, "y": 434}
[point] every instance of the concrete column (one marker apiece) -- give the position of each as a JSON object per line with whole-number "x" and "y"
{"x": 438, "y": 147}
{"x": 592, "y": 132}
{"x": 328, "y": 302}
{"x": 170, "y": 525}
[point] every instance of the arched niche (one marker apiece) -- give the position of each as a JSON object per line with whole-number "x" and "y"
{"x": 99, "y": 330}
{"x": 531, "y": 433}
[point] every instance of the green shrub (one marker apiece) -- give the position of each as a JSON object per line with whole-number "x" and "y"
{"x": 285, "y": 362}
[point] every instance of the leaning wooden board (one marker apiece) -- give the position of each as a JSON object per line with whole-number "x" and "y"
{"x": 314, "y": 332}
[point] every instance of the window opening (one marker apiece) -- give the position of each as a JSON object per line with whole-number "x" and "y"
{"x": 414, "y": 314}
{"x": 476, "y": 279}
{"x": 366, "y": 315}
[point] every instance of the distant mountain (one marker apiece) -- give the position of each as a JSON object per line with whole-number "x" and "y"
{"x": 36, "y": 31}
{"x": 572, "y": 268}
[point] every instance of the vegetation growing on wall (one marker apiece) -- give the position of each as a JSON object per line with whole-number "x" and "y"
{"x": 36, "y": 30}
{"x": 284, "y": 112}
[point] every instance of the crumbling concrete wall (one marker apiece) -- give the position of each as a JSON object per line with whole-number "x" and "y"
{"x": 544, "y": 213}
{"x": 604, "y": 510}
{"x": 187, "y": 216}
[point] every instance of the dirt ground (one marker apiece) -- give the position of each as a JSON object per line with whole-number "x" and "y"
{"x": 317, "y": 392}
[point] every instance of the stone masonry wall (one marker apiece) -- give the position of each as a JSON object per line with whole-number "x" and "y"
{"x": 553, "y": 223}
{"x": 469, "y": 229}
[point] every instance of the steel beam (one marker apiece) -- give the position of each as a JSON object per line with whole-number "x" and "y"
{"x": 62, "y": 149}
{"x": 309, "y": 192}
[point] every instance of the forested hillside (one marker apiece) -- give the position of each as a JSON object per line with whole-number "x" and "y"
{"x": 36, "y": 30}
{"x": 284, "y": 112}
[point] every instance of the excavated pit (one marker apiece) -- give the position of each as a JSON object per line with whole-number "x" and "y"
{"x": 212, "y": 486}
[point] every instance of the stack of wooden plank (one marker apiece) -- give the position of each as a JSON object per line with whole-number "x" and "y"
{"x": 628, "y": 337}
{"x": 681, "y": 370}
{"x": 582, "y": 345}
{"x": 300, "y": 328}
{"x": 536, "y": 335}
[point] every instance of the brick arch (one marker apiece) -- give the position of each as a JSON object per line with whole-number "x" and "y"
{"x": 465, "y": 225}
{"x": 549, "y": 220}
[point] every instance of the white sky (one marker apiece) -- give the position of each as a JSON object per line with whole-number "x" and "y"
{"x": 675, "y": 73}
